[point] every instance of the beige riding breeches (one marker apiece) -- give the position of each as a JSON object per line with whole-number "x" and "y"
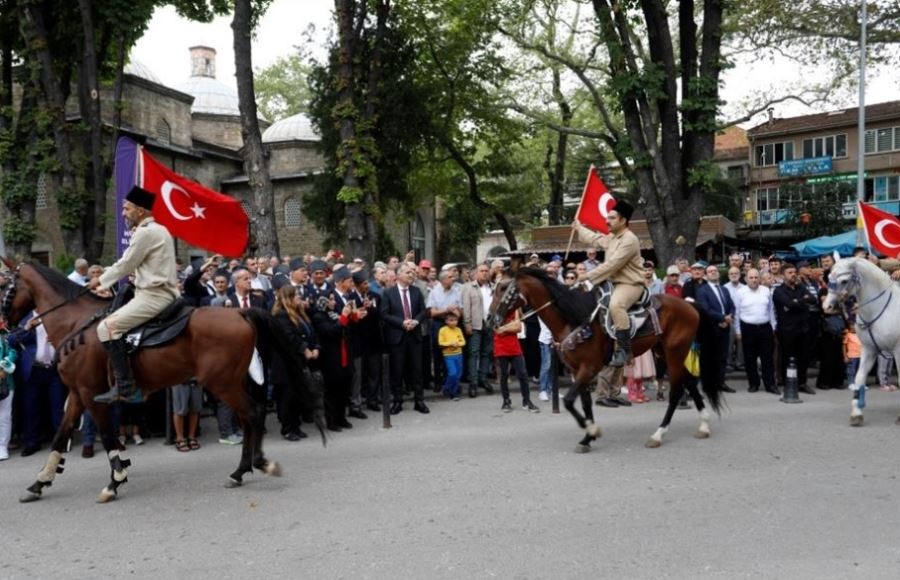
{"x": 623, "y": 296}
{"x": 147, "y": 303}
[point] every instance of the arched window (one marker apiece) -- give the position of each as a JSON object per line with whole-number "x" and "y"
{"x": 163, "y": 131}
{"x": 40, "y": 201}
{"x": 292, "y": 215}
{"x": 418, "y": 237}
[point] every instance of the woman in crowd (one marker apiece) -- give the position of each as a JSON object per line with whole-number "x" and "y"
{"x": 290, "y": 311}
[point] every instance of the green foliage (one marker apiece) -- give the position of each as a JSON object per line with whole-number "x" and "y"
{"x": 823, "y": 204}
{"x": 282, "y": 88}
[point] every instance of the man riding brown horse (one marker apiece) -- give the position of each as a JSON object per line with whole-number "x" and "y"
{"x": 151, "y": 258}
{"x": 623, "y": 266}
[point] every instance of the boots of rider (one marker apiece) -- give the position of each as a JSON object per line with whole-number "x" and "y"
{"x": 123, "y": 390}
{"x": 622, "y": 354}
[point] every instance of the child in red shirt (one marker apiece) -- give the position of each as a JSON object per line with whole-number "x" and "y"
{"x": 508, "y": 351}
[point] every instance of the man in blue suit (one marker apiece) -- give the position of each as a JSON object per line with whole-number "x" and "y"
{"x": 39, "y": 385}
{"x": 716, "y": 303}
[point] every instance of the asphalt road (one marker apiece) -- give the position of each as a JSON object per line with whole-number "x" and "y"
{"x": 778, "y": 491}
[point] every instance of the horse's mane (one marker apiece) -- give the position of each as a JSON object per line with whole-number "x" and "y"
{"x": 61, "y": 284}
{"x": 848, "y": 264}
{"x": 576, "y": 307}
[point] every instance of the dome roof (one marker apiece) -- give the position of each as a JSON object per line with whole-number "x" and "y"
{"x": 295, "y": 128}
{"x": 211, "y": 96}
{"x": 139, "y": 69}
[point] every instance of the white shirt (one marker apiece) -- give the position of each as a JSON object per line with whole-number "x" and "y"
{"x": 545, "y": 337}
{"x": 487, "y": 296}
{"x": 45, "y": 351}
{"x": 753, "y": 307}
{"x": 78, "y": 278}
{"x": 733, "y": 288}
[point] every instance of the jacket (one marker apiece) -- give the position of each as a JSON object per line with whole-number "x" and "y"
{"x": 708, "y": 302}
{"x": 392, "y": 314}
{"x": 150, "y": 257}
{"x": 473, "y": 305}
{"x": 623, "y": 263}
{"x": 792, "y": 307}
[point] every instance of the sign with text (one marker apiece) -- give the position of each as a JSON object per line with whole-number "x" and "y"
{"x": 797, "y": 167}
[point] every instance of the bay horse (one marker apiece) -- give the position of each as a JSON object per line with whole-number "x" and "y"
{"x": 857, "y": 283}
{"x": 215, "y": 348}
{"x": 564, "y": 310}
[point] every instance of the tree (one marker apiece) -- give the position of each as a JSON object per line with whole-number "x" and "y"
{"x": 282, "y": 88}
{"x": 262, "y": 220}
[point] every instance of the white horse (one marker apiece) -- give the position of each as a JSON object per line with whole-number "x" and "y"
{"x": 877, "y": 317}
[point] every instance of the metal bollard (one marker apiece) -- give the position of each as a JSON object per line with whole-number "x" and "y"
{"x": 790, "y": 383}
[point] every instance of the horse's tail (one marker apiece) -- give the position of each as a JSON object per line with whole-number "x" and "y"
{"x": 710, "y": 364}
{"x": 270, "y": 336}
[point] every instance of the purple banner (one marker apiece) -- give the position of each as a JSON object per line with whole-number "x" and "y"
{"x": 126, "y": 178}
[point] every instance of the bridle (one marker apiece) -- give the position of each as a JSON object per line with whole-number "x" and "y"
{"x": 10, "y": 295}
{"x": 510, "y": 296}
{"x": 851, "y": 289}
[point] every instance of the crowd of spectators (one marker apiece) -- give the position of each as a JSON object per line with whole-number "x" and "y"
{"x": 431, "y": 326}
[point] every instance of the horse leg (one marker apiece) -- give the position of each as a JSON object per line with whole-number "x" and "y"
{"x": 240, "y": 407}
{"x": 258, "y": 417}
{"x": 592, "y": 430}
{"x": 118, "y": 466}
{"x": 703, "y": 431}
{"x": 56, "y": 462}
{"x": 859, "y": 385}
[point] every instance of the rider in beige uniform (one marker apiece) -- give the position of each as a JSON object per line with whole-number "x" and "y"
{"x": 623, "y": 266}
{"x": 151, "y": 258}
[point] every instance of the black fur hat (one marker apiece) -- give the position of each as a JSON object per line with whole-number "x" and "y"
{"x": 141, "y": 197}
{"x": 624, "y": 209}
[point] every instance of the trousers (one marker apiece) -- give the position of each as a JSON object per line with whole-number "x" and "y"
{"x": 623, "y": 296}
{"x": 147, "y": 303}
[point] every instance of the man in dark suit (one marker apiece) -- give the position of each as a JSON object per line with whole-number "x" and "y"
{"x": 241, "y": 293}
{"x": 716, "y": 303}
{"x": 403, "y": 310}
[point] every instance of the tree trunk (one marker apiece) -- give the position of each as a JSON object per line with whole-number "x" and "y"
{"x": 557, "y": 185}
{"x": 89, "y": 102}
{"x": 69, "y": 199}
{"x": 255, "y": 163}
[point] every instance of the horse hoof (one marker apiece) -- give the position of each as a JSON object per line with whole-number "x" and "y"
{"x": 594, "y": 430}
{"x": 702, "y": 434}
{"x": 232, "y": 483}
{"x": 856, "y": 420}
{"x": 29, "y": 496}
{"x": 273, "y": 469}
{"x": 106, "y": 496}
{"x": 582, "y": 448}
{"x": 652, "y": 444}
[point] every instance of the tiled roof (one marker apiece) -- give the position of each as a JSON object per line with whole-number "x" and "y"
{"x": 840, "y": 118}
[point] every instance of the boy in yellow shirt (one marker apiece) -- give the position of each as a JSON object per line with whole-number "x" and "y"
{"x": 452, "y": 341}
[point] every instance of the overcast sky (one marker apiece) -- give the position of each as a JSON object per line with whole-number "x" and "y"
{"x": 164, "y": 50}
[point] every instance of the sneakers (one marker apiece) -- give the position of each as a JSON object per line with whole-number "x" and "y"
{"x": 529, "y": 406}
{"x": 507, "y": 406}
{"x": 543, "y": 396}
{"x": 138, "y": 440}
{"x": 4, "y": 453}
{"x": 233, "y": 439}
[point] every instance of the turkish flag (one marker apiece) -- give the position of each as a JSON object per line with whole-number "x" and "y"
{"x": 193, "y": 213}
{"x": 596, "y": 201}
{"x": 882, "y": 229}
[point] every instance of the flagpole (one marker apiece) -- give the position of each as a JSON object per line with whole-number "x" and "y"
{"x": 861, "y": 164}
{"x": 578, "y": 211}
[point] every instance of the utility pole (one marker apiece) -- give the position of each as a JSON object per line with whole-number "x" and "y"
{"x": 861, "y": 145}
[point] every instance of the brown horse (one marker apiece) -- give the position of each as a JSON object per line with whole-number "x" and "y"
{"x": 564, "y": 310}
{"x": 215, "y": 348}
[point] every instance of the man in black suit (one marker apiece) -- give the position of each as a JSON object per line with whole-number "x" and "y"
{"x": 403, "y": 310}
{"x": 716, "y": 303}
{"x": 241, "y": 294}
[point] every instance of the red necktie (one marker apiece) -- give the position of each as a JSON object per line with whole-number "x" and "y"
{"x": 407, "y": 312}
{"x": 246, "y": 302}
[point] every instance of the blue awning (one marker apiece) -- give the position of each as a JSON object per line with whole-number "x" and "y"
{"x": 841, "y": 243}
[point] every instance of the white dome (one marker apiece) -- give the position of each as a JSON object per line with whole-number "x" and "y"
{"x": 295, "y": 128}
{"x": 211, "y": 96}
{"x": 139, "y": 69}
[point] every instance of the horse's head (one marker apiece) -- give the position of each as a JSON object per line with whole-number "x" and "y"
{"x": 17, "y": 300}
{"x": 844, "y": 282}
{"x": 506, "y": 299}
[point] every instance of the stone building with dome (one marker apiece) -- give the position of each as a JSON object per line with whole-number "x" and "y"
{"x": 195, "y": 130}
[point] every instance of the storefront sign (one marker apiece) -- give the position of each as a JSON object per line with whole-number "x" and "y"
{"x": 797, "y": 167}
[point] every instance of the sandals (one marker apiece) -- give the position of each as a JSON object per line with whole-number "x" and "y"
{"x": 182, "y": 445}
{"x": 193, "y": 443}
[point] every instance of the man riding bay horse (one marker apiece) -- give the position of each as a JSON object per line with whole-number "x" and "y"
{"x": 622, "y": 266}
{"x": 151, "y": 258}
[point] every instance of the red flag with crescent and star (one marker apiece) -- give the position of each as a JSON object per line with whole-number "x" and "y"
{"x": 596, "y": 202}
{"x": 882, "y": 229}
{"x": 194, "y": 213}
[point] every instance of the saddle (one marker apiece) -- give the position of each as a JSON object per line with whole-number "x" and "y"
{"x": 162, "y": 329}
{"x": 640, "y": 313}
